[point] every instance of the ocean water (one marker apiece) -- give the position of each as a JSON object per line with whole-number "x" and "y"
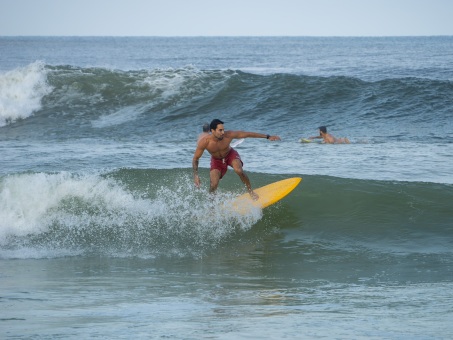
{"x": 103, "y": 235}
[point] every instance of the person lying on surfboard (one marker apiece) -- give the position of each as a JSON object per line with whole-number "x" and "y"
{"x": 223, "y": 155}
{"x": 328, "y": 138}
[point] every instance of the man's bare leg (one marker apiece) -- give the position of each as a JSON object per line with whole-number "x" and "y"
{"x": 214, "y": 176}
{"x": 237, "y": 166}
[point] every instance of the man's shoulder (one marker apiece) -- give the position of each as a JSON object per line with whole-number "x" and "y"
{"x": 230, "y": 134}
{"x": 204, "y": 140}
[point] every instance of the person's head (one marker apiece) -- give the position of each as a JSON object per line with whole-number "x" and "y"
{"x": 217, "y": 129}
{"x": 322, "y": 129}
{"x": 206, "y": 127}
{"x": 215, "y": 123}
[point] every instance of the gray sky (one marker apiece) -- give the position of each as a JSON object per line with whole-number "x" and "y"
{"x": 226, "y": 18}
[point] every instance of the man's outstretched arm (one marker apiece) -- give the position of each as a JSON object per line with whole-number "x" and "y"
{"x": 247, "y": 134}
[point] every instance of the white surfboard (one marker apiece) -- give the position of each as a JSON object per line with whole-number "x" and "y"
{"x": 237, "y": 142}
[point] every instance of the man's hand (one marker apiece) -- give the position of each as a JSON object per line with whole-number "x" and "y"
{"x": 196, "y": 180}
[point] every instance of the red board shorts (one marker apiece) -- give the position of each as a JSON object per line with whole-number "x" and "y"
{"x": 221, "y": 164}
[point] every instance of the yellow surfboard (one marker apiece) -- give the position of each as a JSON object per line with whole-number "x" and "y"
{"x": 268, "y": 195}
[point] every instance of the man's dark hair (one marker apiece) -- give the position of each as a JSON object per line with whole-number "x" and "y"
{"x": 214, "y": 124}
{"x": 323, "y": 129}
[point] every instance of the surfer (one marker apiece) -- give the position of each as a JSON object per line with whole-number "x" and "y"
{"x": 205, "y": 132}
{"x": 328, "y": 138}
{"x": 223, "y": 155}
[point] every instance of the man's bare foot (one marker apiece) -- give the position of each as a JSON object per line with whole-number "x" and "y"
{"x": 254, "y": 195}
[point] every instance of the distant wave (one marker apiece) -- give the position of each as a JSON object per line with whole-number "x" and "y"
{"x": 112, "y": 97}
{"x": 74, "y": 101}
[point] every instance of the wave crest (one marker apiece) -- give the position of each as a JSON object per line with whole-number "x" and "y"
{"x": 21, "y": 92}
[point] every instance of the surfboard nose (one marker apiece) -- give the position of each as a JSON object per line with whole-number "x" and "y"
{"x": 268, "y": 195}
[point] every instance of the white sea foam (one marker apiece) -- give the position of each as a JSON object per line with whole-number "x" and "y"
{"x": 21, "y": 92}
{"x": 29, "y": 202}
{"x": 92, "y": 206}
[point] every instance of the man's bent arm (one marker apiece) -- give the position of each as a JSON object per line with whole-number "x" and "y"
{"x": 195, "y": 162}
{"x": 196, "y": 157}
{"x": 196, "y": 178}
